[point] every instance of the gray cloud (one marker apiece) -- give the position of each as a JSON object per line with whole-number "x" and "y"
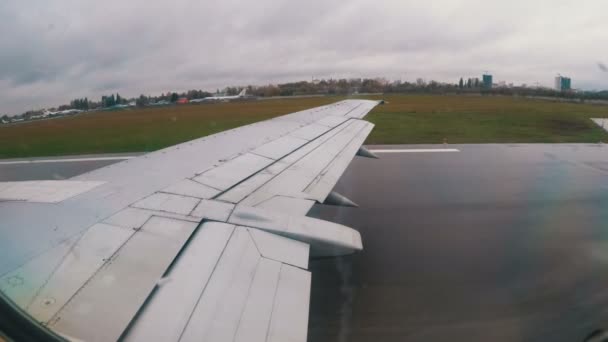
{"x": 58, "y": 50}
{"x": 602, "y": 67}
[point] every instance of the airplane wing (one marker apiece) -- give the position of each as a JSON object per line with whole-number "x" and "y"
{"x": 206, "y": 240}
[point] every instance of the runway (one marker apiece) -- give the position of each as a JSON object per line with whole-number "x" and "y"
{"x": 24, "y": 169}
{"x": 485, "y": 243}
{"x": 493, "y": 243}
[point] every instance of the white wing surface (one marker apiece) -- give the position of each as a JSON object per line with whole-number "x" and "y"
{"x": 203, "y": 241}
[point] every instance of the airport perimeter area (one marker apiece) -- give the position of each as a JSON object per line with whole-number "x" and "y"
{"x": 403, "y": 119}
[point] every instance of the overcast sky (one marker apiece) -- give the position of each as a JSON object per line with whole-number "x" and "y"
{"x": 53, "y": 51}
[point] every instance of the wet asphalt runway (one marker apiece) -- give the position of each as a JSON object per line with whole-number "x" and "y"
{"x": 493, "y": 243}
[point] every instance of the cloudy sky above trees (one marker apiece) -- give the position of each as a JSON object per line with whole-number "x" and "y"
{"x": 54, "y": 51}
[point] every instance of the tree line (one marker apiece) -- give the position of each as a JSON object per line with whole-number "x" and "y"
{"x": 326, "y": 87}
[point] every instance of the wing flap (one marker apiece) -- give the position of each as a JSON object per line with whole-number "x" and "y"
{"x": 253, "y": 325}
{"x": 222, "y": 287}
{"x": 289, "y": 320}
{"x": 278, "y": 248}
{"x": 213, "y": 210}
{"x": 216, "y": 315}
{"x": 167, "y": 313}
{"x": 325, "y": 238}
{"x": 287, "y": 205}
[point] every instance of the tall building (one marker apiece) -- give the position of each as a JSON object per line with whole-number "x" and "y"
{"x": 487, "y": 81}
{"x": 563, "y": 83}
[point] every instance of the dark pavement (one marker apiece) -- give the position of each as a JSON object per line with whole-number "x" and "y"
{"x": 494, "y": 243}
{"x": 55, "y": 167}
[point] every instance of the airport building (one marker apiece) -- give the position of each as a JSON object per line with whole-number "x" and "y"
{"x": 562, "y": 83}
{"x": 487, "y": 81}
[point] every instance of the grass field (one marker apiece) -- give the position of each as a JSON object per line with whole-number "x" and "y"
{"x": 484, "y": 119}
{"x": 404, "y": 119}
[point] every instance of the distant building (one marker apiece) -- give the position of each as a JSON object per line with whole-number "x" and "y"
{"x": 182, "y": 100}
{"x": 563, "y": 83}
{"x": 487, "y": 81}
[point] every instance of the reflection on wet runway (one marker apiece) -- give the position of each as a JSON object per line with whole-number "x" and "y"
{"x": 495, "y": 243}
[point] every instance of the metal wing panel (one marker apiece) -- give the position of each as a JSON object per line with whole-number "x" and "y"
{"x": 253, "y": 326}
{"x": 191, "y": 188}
{"x": 239, "y": 192}
{"x": 332, "y": 121}
{"x": 116, "y": 292}
{"x": 290, "y": 312}
{"x": 361, "y": 110}
{"x": 233, "y": 171}
{"x": 135, "y": 218}
{"x": 168, "y": 310}
{"x": 311, "y": 165}
{"x": 173, "y": 196}
{"x": 125, "y": 183}
{"x": 217, "y": 312}
{"x": 22, "y": 283}
{"x": 287, "y": 205}
{"x": 278, "y": 248}
{"x": 294, "y": 180}
{"x": 85, "y": 257}
{"x": 170, "y": 203}
{"x": 223, "y": 287}
{"x": 325, "y": 238}
{"x": 213, "y": 210}
{"x": 321, "y": 186}
{"x": 279, "y": 148}
{"x": 268, "y": 191}
{"x": 310, "y": 132}
{"x": 47, "y": 191}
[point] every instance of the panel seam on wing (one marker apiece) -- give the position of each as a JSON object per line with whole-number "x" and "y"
{"x": 325, "y": 169}
{"x": 56, "y": 315}
{"x": 248, "y": 289}
{"x": 260, "y": 251}
{"x": 46, "y": 281}
{"x": 357, "y": 106}
{"x": 337, "y": 130}
{"x": 274, "y": 299}
{"x": 198, "y": 300}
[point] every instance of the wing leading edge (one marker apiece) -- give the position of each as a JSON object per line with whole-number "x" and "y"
{"x": 218, "y": 251}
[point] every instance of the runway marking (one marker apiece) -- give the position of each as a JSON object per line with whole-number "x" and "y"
{"x": 417, "y": 150}
{"x": 602, "y": 123}
{"x": 67, "y": 160}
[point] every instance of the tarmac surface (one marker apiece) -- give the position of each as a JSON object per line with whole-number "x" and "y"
{"x": 491, "y": 243}
{"x": 45, "y": 168}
